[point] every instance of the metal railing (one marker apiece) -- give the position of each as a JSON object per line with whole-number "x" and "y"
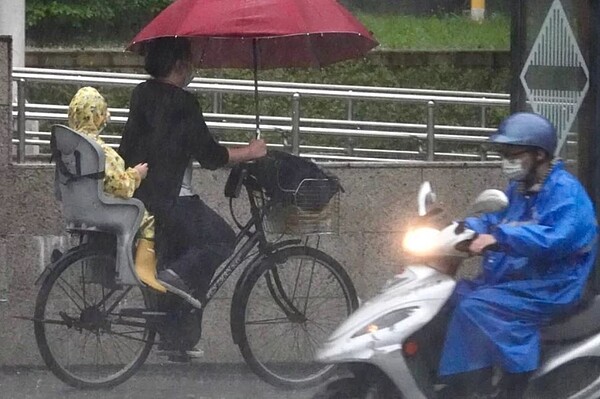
{"x": 294, "y": 129}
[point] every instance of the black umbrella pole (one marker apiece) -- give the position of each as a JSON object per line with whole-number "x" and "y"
{"x": 256, "y": 105}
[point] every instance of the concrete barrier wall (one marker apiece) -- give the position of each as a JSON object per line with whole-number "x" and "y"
{"x": 375, "y": 209}
{"x": 374, "y": 212}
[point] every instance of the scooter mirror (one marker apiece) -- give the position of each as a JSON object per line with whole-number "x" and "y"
{"x": 490, "y": 200}
{"x": 425, "y": 198}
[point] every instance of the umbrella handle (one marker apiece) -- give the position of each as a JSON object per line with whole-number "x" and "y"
{"x": 256, "y": 106}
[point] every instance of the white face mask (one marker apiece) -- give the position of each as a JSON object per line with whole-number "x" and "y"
{"x": 513, "y": 169}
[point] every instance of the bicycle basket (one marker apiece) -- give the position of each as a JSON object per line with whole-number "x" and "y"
{"x": 291, "y": 218}
{"x": 301, "y": 198}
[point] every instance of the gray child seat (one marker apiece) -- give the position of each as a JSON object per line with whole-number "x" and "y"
{"x": 79, "y": 186}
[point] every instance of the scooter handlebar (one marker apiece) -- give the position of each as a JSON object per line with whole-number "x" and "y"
{"x": 463, "y": 246}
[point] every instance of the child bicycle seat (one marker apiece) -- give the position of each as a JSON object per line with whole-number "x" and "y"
{"x": 79, "y": 186}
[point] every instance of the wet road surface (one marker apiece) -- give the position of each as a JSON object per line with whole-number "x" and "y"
{"x": 195, "y": 381}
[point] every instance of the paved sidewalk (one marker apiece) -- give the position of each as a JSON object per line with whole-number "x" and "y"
{"x": 196, "y": 381}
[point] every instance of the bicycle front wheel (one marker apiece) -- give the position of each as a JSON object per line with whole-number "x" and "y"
{"x": 90, "y": 331}
{"x": 289, "y": 305}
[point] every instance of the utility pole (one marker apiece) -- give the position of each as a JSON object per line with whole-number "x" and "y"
{"x": 478, "y": 10}
{"x": 12, "y": 23}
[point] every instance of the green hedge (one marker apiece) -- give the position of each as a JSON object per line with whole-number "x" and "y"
{"x": 424, "y": 7}
{"x": 87, "y": 23}
{"x": 62, "y": 21}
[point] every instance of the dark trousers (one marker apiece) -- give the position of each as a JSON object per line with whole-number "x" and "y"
{"x": 193, "y": 240}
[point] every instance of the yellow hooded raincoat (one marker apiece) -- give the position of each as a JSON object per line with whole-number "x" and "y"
{"x": 88, "y": 114}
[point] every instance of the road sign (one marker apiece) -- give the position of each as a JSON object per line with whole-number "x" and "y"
{"x": 555, "y": 76}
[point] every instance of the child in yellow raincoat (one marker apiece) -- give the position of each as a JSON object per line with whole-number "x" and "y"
{"x": 88, "y": 114}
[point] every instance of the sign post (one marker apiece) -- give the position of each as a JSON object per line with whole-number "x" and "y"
{"x": 556, "y": 72}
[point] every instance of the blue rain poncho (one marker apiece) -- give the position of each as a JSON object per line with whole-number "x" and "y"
{"x": 548, "y": 246}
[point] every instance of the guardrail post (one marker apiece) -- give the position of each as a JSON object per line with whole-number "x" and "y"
{"x": 217, "y": 104}
{"x": 350, "y": 146}
{"x": 21, "y": 120}
{"x": 296, "y": 124}
{"x": 350, "y": 140}
{"x": 350, "y": 107}
{"x": 482, "y": 150}
{"x": 430, "y": 130}
{"x": 482, "y": 153}
{"x": 483, "y": 114}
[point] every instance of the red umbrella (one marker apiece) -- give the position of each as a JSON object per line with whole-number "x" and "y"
{"x": 261, "y": 33}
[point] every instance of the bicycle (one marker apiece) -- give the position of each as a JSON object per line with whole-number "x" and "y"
{"x": 95, "y": 324}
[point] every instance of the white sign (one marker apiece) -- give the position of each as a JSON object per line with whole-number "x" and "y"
{"x": 555, "y": 76}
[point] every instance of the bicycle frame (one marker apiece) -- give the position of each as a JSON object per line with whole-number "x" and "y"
{"x": 246, "y": 241}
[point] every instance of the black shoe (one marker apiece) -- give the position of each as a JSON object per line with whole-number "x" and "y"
{"x": 475, "y": 384}
{"x": 174, "y": 284}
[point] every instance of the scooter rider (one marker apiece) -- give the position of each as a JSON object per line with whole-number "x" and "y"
{"x": 538, "y": 254}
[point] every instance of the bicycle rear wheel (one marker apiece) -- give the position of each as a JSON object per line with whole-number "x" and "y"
{"x": 288, "y": 306}
{"x": 89, "y": 330}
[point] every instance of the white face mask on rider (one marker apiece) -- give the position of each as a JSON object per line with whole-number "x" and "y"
{"x": 513, "y": 169}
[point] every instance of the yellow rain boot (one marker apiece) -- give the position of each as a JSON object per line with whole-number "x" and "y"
{"x": 145, "y": 264}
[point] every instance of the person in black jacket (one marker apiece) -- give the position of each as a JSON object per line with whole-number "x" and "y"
{"x": 167, "y": 130}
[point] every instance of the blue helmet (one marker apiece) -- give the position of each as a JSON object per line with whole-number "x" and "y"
{"x": 528, "y": 129}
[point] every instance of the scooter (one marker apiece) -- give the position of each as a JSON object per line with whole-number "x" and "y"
{"x": 390, "y": 346}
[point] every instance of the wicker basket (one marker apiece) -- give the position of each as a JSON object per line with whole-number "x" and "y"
{"x": 304, "y": 213}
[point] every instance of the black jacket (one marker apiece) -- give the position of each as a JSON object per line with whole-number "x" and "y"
{"x": 166, "y": 129}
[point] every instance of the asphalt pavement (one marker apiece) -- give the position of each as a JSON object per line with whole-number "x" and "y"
{"x": 177, "y": 381}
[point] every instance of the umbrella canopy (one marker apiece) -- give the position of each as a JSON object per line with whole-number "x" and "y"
{"x": 261, "y": 34}
{"x": 282, "y": 33}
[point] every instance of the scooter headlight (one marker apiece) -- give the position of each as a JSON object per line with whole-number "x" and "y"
{"x": 386, "y": 321}
{"x": 420, "y": 241}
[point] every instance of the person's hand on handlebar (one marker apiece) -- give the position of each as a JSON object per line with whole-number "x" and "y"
{"x": 481, "y": 243}
{"x": 257, "y": 148}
